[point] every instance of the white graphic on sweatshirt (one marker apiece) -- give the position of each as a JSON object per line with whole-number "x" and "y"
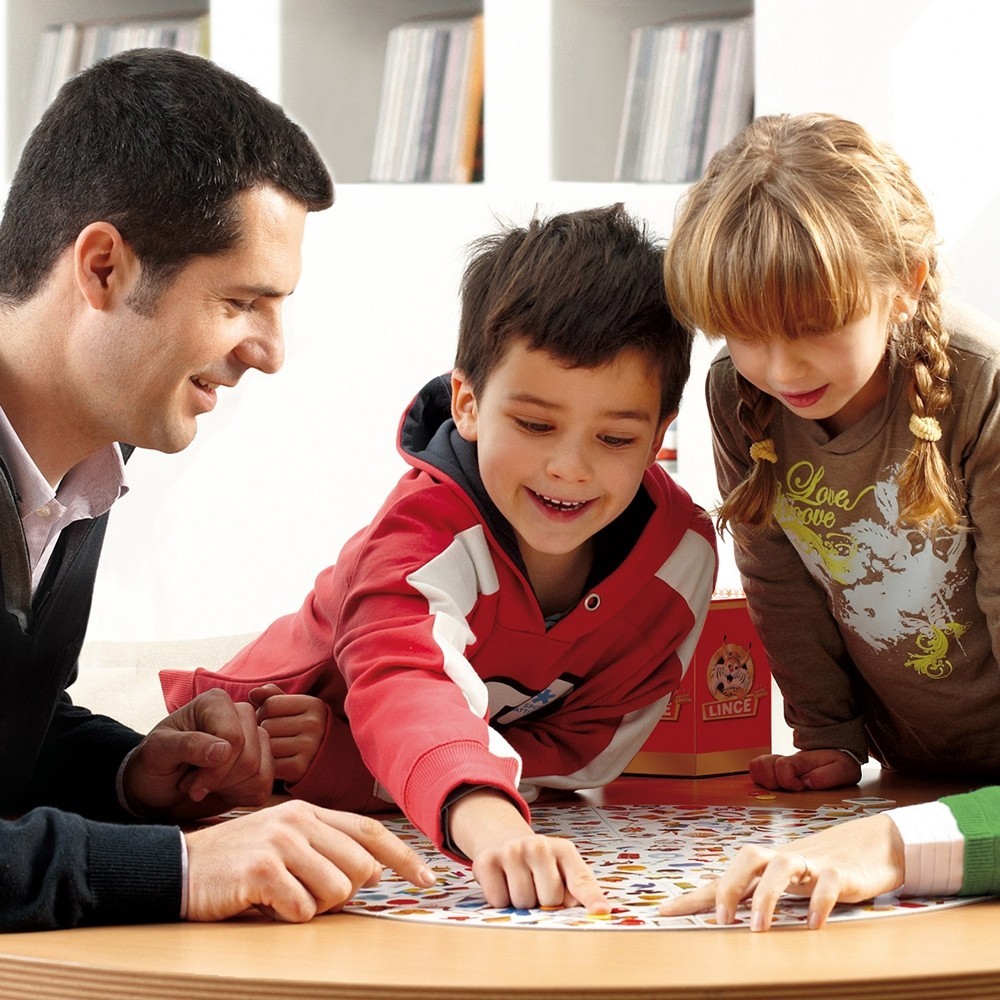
{"x": 890, "y": 586}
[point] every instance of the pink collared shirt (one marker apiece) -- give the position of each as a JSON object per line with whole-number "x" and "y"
{"x": 87, "y": 491}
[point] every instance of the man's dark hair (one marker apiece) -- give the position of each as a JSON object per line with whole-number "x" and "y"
{"x": 583, "y": 286}
{"x": 158, "y": 143}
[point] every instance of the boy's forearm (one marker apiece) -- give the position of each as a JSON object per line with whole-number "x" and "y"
{"x": 482, "y": 818}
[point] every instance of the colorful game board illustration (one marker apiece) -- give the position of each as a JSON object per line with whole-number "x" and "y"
{"x": 641, "y": 856}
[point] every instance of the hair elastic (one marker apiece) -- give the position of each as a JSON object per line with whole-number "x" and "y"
{"x": 925, "y": 428}
{"x": 902, "y": 317}
{"x": 763, "y": 451}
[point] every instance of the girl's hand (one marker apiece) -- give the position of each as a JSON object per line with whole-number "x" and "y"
{"x": 848, "y": 863}
{"x": 807, "y": 769}
{"x": 295, "y": 723}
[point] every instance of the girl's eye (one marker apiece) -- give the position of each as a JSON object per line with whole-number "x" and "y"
{"x": 532, "y": 426}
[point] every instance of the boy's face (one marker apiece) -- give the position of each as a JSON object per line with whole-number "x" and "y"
{"x": 561, "y": 450}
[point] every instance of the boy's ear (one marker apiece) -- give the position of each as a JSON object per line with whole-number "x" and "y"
{"x": 463, "y": 406}
{"x": 654, "y": 448}
{"x": 104, "y": 265}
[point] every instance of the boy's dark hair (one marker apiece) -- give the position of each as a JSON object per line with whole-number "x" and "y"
{"x": 158, "y": 143}
{"x": 583, "y": 286}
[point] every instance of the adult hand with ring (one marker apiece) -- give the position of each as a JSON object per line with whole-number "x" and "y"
{"x": 847, "y": 863}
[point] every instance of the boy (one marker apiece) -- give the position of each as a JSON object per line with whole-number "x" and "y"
{"x": 528, "y": 597}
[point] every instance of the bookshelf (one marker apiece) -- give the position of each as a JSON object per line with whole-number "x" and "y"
{"x": 555, "y": 69}
{"x": 376, "y": 310}
{"x": 21, "y": 27}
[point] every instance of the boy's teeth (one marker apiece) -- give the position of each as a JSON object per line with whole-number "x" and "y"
{"x": 561, "y": 504}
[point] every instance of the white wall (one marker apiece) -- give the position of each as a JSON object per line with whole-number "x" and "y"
{"x": 229, "y": 534}
{"x": 923, "y": 75}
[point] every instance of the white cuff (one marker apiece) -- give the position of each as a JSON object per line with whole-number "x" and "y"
{"x": 934, "y": 849}
{"x": 120, "y": 784}
{"x": 184, "y": 876}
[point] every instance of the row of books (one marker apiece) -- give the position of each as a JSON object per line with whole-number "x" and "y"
{"x": 689, "y": 91}
{"x": 429, "y": 125}
{"x": 65, "y": 49}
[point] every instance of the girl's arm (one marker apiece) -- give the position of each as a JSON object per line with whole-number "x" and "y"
{"x": 977, "y": 815}
{"x": 809, "y": 662}
{"x": 937, "y": 848}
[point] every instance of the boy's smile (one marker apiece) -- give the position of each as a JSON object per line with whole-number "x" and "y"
{"x": 561, "y": 450}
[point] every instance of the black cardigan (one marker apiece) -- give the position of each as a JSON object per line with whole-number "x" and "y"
{"x": 57, "y": 868}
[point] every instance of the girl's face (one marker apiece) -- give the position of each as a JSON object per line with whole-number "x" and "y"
{"x": 835, "y": 378}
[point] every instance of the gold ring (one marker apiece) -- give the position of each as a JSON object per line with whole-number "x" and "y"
{"x": 806, "y": 875}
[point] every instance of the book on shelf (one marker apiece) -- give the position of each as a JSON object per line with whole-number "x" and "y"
{"x": 431, "y": 104}
{"x": 689, "y": 90}
{"x": 66, "y": 49}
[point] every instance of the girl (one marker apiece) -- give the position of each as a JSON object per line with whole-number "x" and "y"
{"x": 857, "y": 443}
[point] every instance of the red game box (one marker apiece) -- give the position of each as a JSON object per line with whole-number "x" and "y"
{"x": 719, "y": 718}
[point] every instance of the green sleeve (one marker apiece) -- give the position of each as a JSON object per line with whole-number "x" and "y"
{"x": 978, "y": 816}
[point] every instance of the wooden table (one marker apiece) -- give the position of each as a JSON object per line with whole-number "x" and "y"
{"x": 943, "y": 954}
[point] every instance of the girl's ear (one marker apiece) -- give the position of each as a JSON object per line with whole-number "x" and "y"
{"x": 463, "y": 406}
{"x": 104, "y": 265}
{"x": 907, "y": 299}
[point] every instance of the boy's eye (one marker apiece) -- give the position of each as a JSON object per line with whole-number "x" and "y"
{"x": 533, "y": 426}
{"x": 614, "y": 441}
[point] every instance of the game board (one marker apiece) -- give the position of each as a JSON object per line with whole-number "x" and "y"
{"x": 641, "y": 856}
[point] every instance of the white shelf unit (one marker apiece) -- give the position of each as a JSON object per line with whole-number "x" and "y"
{"x": 555, "y": 69}
{"x": 20, "y": 33}
{"x": 556, "y": 72}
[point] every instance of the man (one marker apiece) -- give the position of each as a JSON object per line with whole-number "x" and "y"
{"x": 152, "y": 231}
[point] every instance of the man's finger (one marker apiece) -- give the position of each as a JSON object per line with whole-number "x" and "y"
{"x": 249, "y": 757}
{"x": 212, "y": 712}
{"x": 384, "y": 846}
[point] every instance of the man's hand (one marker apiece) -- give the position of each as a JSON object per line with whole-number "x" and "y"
{"x": 291, "y": 861}
{"x": 807, "y": 769}
{"x": 848, "y": 863}
{"x": 295, "y": 723}
{"x": 516, "y": 866}
{"x": 206, "y": 757}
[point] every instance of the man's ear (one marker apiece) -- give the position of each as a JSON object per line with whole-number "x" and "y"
{"x": 464, "y": 410}
{"x": 657, "y": 444}
{"x": 104, "y": 265}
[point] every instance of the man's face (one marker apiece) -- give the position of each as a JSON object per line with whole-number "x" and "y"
{"x": 150, "y": 376}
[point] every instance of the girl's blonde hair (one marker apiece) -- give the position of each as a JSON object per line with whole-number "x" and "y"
{"x": 800, "y": 225}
